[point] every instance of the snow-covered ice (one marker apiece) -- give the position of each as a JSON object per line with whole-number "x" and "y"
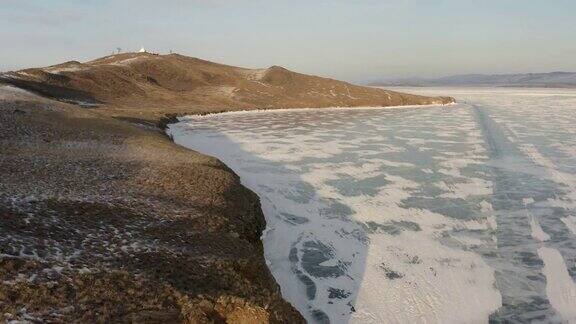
{"x": 560, "y": 288}
{"x": 449, "y": 214}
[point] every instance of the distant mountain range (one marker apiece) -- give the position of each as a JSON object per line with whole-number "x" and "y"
{"x": 552, "y": 79}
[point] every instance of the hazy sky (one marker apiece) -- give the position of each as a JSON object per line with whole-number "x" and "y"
{"x": 353, "y": 40}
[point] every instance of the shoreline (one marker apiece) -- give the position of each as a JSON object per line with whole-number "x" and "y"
{"x": 128, "y": 175}
{"x": 229, "y": 153}
{"x": 285, "y": 110}
{"x": 118, "y": 232}
{"x": 183, "y": 119}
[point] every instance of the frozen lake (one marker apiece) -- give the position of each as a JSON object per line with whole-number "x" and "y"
{"x": 453, "y": 214}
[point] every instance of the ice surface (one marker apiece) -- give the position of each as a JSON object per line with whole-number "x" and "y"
{"x": 437, "y": 215}
{"x": 570, "y": 222}
{"x": 560, "y": 288}
{"x": 537, "y": 231}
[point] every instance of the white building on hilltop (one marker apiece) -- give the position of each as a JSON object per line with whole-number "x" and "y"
{"x": 142, "y": 50}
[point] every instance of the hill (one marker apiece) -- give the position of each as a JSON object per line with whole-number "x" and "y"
{"x": 104, "y": 221}
{"x": 552, "y": 79}
{"x": 108, "y": 221}
{"x": 149, "y": 86}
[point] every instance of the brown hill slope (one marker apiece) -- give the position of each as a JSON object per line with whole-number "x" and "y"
{"x": 148, "y": 86}
{"x": 97, "y": 225}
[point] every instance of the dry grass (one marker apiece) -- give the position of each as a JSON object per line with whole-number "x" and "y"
{"x": 104, "y": 221}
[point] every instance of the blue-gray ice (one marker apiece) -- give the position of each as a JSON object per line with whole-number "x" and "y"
{"x": 446, "y": 214}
